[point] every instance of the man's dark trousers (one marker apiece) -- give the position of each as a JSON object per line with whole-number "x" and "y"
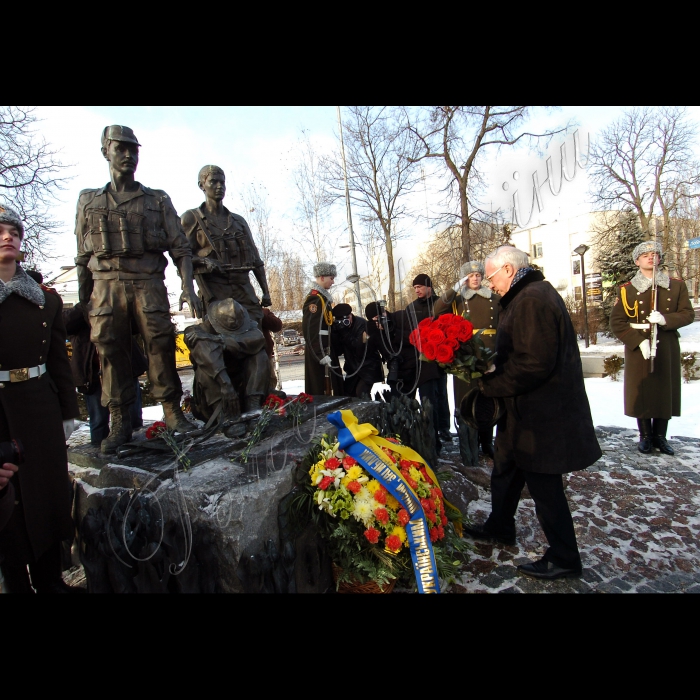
{"x": 547, "y": 490}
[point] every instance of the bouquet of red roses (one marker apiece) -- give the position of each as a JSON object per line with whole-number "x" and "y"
{"x": 450, "y": 341}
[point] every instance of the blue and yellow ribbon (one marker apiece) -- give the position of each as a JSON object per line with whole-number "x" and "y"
{"x": 362, "y": 443}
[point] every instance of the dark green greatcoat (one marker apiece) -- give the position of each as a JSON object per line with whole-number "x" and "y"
{"x": 316, "y": 331}
{"x": 33, "y": 412}
{"x": 654, "y": 394}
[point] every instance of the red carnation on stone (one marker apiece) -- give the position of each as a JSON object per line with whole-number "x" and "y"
{"x": 354, "y": 487}
{"x": 372, "y": 534}
{"x": 393, "y": 543}
{"x": 155, "y": 430}
{"x": 382, "y": 514}
{"x": 403, "y": 517}
{"x": 325, "y": 483}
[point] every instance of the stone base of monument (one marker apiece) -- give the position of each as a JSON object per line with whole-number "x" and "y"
{"x": 147, "y": 525}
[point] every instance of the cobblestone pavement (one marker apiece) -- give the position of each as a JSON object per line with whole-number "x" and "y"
{"x": 636, "y": 518}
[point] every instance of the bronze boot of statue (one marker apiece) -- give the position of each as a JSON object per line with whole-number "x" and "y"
{"x": 119, "y": 429}
{"x": 253, "y": 403}
{"x": 175, "y": 418}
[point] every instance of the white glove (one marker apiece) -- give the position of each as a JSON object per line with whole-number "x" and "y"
{"x": 492, "y": 368}
{"x": 325, "y": 360}
{"x": 645, "y": 347}
{"x": 656, "y": 317}
{"x": 68, "y": 427}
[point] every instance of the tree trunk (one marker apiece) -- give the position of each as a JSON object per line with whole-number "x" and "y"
{"x": 391, "y": 296}
{"x": 464, "y": 212}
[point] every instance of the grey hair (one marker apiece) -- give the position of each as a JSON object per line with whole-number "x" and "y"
{"x": 508, "y": 254}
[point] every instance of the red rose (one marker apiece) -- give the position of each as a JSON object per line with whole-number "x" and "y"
{"x": 444, "y": 354}
{"x": 434, "y": 335}
{"x": 453, "y": 343}
{"x": 380, "y": 497}
{"x": 393, "y": 543}
{"x": 403, "y": 517}
{"x": 325, "y": 483}
{"x": 433, "y": 534}
{"x": 414, "y": 338}
{"x": 429, "y": 350}
{"x": 465, "y": 331}
{"x": 382, "y": 514}
{"x": 332, "y": 463}
{"x": 348, "y": 462}
{"x": 354, "y": 487}
{"x": 425, "y": 323}
{"x": 372, "y": 534}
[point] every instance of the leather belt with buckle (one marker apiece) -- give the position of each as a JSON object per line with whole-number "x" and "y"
{"x": 23, "y": 374}
{"x": 640, "y": 326}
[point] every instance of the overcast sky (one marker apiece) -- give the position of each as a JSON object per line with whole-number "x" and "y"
{"x": 257, "y": 144}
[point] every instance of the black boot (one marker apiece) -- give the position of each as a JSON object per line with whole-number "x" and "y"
{"x": 486, "y": 441}
{"x": 119, "y": 429}
{"x": 645, "y": 443}
{"x": 659, "y": 436}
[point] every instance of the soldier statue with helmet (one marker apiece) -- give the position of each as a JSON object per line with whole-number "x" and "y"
{"x": 224, "y": 252}
{"x": 123, "y": 230}
{"x": 651, "y": 304}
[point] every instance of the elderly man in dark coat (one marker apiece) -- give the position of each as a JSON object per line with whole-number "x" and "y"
{"x": 651, "y": 395}
{"x": 36, "y": 397}
{"x": 547, "y": 429}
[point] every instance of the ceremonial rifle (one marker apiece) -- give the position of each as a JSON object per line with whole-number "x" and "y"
{"x": 654, "y": 304}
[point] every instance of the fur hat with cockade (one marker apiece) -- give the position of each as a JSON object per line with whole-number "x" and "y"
{"x": 324, "y": 269}
{"x": 10, "y": 216}
{"x": 471, "y": 267}
{"x": 647, "y": 247}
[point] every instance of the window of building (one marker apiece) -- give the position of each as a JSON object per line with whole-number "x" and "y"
{"x": 577, "y": 267}
{"x": 536, "y": 250}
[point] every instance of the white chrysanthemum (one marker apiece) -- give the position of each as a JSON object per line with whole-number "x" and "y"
{"x": 364, "y": 495}
{"x": 363, "y": 512}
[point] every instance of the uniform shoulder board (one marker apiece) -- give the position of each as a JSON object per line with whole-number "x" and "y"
{"x": 49, "y": 289}
{"x": 314, "y": 291}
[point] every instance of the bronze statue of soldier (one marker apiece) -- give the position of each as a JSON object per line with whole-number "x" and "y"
{"x": 231, "y": 367}
{"x": 123, "y": 230}
{"x": 223, "y": 249}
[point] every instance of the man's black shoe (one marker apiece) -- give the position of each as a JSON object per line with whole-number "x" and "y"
{"x": 445, "y": 437}
{"x": 546, "y": 570}
{"x": 644, "y": 446}
{"x": 479, "y": 533}
{"x": 663, "y": 445}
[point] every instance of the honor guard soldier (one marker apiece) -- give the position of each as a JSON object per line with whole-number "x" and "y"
{"x": 321, "y": 373}
{"x": 123, "y": 230}
{"x": 223, "y": 249}
{"x": 479, "y": 305}
{"x": 652, "y": 383}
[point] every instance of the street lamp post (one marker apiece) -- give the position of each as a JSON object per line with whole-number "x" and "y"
{"x": 581, "y": 251}
{"x": 354, "y": 278}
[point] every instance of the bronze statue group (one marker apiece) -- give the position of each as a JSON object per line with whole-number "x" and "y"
{"x": 123, "y": 231}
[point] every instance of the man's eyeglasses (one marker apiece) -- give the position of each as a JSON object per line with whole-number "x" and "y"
{"x": 488, "y": 279}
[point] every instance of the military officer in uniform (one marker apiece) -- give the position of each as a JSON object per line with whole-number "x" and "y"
{"x": 223, "y": 249}
{"x": 317, "y": 321}
{"x": 652, "y": 397}
{"x": 122, "y": 231}
{"x": 479, "y": 305}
